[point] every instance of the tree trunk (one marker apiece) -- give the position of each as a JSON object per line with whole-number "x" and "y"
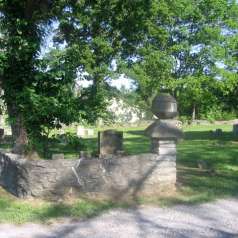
{"x": 194, "y": 113}
{"x": 19, "y": 132}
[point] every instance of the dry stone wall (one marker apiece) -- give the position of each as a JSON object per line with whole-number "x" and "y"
{"x": 116, "y": 178}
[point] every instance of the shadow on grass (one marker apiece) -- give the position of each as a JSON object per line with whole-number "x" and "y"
{"x": 209, "y": 135}
{"x": 18, "y": 211}
{"x": 218, "y": 179}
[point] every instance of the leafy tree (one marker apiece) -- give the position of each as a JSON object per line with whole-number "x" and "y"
{"x": 22, "y": 31}
{"x": 193, "y": 31}
{"x": 39, "y": 92}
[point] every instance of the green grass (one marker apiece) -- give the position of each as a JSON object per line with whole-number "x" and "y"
{"x": 18, "y": 211}
{"x": 219, "y": 178}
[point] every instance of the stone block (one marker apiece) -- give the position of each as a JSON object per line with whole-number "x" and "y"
{"x": 163, "y": 147}
{"x": 218, "y": 132}
{"x": 1, "y": 133}
{"x": 164, "y": 130}
{"x": 84, "y": 132}
{"x": 235, "y": 129}
{"x": 81, "y": 132}
{"x": 90, "y": 132}
{"x": 110, "y": 142}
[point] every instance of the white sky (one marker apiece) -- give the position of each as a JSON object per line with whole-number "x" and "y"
{"x": 121, "y": 82}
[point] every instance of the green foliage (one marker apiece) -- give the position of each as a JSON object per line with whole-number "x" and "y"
{"x": 194, "y": 37}
{"x": 217, "y": 112}
{"x": 165, "y": 46}
{"x": 72, "y": 140}
{"x": 40, "y": 91}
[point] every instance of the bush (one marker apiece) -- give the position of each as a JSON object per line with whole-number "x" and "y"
{"x": 72, "y": 140}
{"x": 217, "y": 112}
{"x": 185, "y": 119}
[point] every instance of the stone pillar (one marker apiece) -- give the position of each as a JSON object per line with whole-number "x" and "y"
{"x": 163, "y": 147}
{"x": 110, "y": 142}
{"x": 164, "y": 134}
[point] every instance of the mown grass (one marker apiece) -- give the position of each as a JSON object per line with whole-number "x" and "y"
{"x": 217, "y": 178}
{"x": 17, "y": 211}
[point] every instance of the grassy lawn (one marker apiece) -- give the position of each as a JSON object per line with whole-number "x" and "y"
{"x": 18, "y": 211}
{"x": 207, "y": 170}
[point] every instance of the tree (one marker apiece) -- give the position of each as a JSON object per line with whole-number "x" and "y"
{"x": 192, "y": 33}
{"x": 22, "y": 32}
{"x": 38, "y": 92}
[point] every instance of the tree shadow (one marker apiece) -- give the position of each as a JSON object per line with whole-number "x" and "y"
{"x": 209, "y": 135}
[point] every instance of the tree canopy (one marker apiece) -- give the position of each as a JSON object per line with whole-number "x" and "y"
{"x": 176, "y": 46}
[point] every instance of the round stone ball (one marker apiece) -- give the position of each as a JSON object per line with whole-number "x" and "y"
{"x": 164, "y": 106}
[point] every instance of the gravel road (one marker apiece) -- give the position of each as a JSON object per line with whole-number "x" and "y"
{"x": 217, "y": 219}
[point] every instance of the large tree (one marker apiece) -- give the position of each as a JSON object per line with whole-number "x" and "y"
{"x": 192, "y": 34}
{"x": 39, "y": 92}
{"x": 22, "y": 33}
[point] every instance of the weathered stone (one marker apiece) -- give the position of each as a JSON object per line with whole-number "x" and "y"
{"x": 218, "y": 132}
{"x": 81, "y": 131}
{"x": 164, "y": 106}
{"x": 110, "y": 142}
{"x": 1, "y": 133}
{"x": 90, "y": 132}
{"x": 137, "y": 175}
{"x": 164, "y": 130}
{"x": 163, "y": 147}
{"x": 84, "y": 132}
{"x": 235, "y": 129}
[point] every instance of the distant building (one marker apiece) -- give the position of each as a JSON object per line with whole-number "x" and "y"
{"x": 122, "y": 112}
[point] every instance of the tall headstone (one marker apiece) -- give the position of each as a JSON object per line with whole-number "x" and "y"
{"x": 1, "y": 133}
{"x": 235, "y": 129}
{"x": 110, "y": 142}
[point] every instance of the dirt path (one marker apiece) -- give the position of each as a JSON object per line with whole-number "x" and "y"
{"x": 218, "y": 219}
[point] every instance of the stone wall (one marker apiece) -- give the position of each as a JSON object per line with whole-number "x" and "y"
{"x": 117, "y": 178}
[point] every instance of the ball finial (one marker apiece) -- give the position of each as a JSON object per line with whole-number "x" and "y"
{"x": 164, "y": 106}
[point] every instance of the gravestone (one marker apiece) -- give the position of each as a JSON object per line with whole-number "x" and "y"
{"x": 81, "y": 131}
{"x": 218, "y": 132}
{"x": 110, "y": 142}
{"x": 1, "y": 133}
{"x": 84, "y": 132}
{"x": 90, "y": 132}
{"x": 235, "y": 129}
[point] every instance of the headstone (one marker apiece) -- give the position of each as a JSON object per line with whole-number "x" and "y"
{"x": 110, "y": 143}
{"x": 90, "y": 132}
{"x": 57, "y": 156}
{"x": 84, "y": 132}
{"x": 235, "y": 129}
{"x": 81, "y": 131}
{"x": 218, "y": 132}
{"x": 1, "y": 133}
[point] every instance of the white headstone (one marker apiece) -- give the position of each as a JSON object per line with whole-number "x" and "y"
{"x": 81, "y": 131}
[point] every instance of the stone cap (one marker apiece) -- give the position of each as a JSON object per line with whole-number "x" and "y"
{"x": 164, "y": 130}
{"x": 164, "y": 106}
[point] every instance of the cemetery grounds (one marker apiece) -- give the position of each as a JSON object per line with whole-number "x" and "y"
{"x": 207, "y": 167}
